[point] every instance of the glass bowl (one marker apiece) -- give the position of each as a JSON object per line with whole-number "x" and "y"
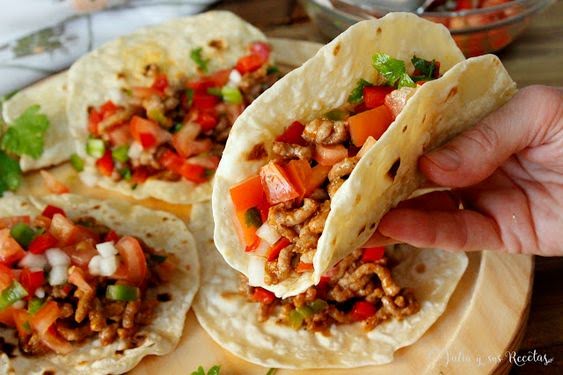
{"x": 476, "y": 31}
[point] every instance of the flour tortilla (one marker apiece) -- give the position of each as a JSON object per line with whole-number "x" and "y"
{"x": 274, "y": 345}
{"x": 50, "y": 94}
{"x": 438, "y": 111}
{"x": 158, "y": 229}
{"x": 95, "y": 78}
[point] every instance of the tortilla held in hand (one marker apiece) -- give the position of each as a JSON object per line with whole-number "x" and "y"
{"x": 150, "y": 112}
{"x": 315, "y": 162}
{"x": 89, "y": 286}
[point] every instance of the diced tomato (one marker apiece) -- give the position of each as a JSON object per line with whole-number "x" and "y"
{"x": 120, "y": 135}
{"x": 194, "y": 173}
{"x": 105, "y": 164}
{"x": 368, "y": 144}
{"x": 7, "y": 317}
{"x": 263, "y": 296}
{"x": 464, "y": 4}
{"x": 374, "y": 96}
{"x": 81, "y": 253}
{"x": 94, "y": 118}
{"x": 45, "y": 317}
{"x": 171, "y": 161}
{"x": 64, "y": 230}
{"x": 144, "y": 92}
{"x": 250, "y": 63}
{"x": 276, "y": 184}
{"x": 76, "y": 277}
{"x": 108, "y": 108}
{"x": 31, "y": 280}
{"x": 10, "y": 249}
{"x": 247, "y": 194}
{"x": 304, "y": 267}
{"x": 57, "y": 344}
{"x": 42, "y": 222}
{"x": 396, "y": 100}
{"x": 147, "y": 132}
{"x": 217, "y": 79}
{"x": 275, "y": 249}
{"x": 371, "y": 254}
{"x": 6, "y": 277}
{"x": 160, "y": 83}
{"x": 21, "y": 321}
{"x": 262, "y": 49}
{"x": 182, "y": 139}
{"x": 134, "y": 259}
{"x": 9, "y": 222}
{"x": 362, "y": 310}
{"x": 204, "y": 101}
{"x": 50, "y": 211}
{"x": 209, "y": 162}
{"x": 207, "y": 120}
{"x": 318, "y": 175}
{"x": 111, "y": 236}
{"x": 330, "y": 155}
{"x": 293, "y": 134}
{"x": 53, "y": 185}
{"x": 140, "y": 175}
{"x": 298, "y": 172}
{"x": 322, "y": 286}
{"x": 220, "y": 78}
{"x": 373, "y": 123}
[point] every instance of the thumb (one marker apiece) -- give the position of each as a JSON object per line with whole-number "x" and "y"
{"x": 475, "y": 154}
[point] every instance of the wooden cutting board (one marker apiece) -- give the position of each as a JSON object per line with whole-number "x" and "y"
{"x": 483, "y": 322}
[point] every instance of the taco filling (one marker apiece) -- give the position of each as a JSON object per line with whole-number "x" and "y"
{"x": 281, "y": 211}
{"x": 359, "y": 288}
{"x": 178, "y": 132}
{"x": 64, "y": 282}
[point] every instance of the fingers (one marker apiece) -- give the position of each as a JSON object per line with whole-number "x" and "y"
{"x": 461, "y": 230}
{"x": 379, "y": 240}
{"x": 529, "y": 119}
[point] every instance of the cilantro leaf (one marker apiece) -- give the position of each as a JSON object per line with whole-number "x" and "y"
{"x": 10, "y": 173}
{"x": 214, "y": 370}
{"x": 393, "y": 70}
{"x": 357, "y": 95}
{"x": 426, "y": 70}
{"x": 195, "y": 55}
{"x": 272, "y": 371}
{"x": 26, "y": 134}
{"x": 199, "y": 371}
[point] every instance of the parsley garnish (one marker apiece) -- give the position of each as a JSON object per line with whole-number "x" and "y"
{"x": 189, "y": 97}
{"x": 393, "y": 70}
{"x": 25, "y": 135}
{"x": 427, "y": 69}
{"x": 212, "y": 371}
{"x": 10, "y": 173}
{"x": 357, "y": 95}
{"x": 195, "y": 55}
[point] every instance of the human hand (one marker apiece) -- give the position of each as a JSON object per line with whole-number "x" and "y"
{"x": 507, "y": 171}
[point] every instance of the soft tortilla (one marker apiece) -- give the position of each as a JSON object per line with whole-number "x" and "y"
{"x": 50, "y": 94}
{"x": 439, "y": 110}
{"x": 158, "y": 229}
{"x": 95, "y": 78}
{"x": 274, "y": 345}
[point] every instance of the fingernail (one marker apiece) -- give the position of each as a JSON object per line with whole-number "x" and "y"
{"x": 446, "y": 159}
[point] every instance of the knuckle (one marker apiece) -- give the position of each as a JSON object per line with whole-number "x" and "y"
{"x": 484, "y": 137}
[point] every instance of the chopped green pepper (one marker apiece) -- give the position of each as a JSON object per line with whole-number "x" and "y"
{"x": 231, "y": 95}
{"x": 305, "y": 311}
{"x": 272, "y": 70}
{"x": 120, "y": 154}
{"x": 34, "y": 305}
{"x": 122, "y": 293}
{"x": 336, "y": 115}
{"x": 318, "y": 305}
{"x": 176, "y": 127}
{"x": 126, "y": 174}
{"x": 23, "y": 233}
{"x": 95, "y": 147}
{"x": 77, "y": 162}
{"x": 252, "y": 218}
{"x": 189, "y": 97}
{"x": 12, "y": 294}
{"x": 295, "y": 319}
{"x": 158, "y": 116}
{"x": 215, "y": 91}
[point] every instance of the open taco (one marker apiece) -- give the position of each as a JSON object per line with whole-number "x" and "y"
{"x": 372, "y": 303}
{"x": 90, "y": 286}
{"x": 151, "y": 111}
{"x": 315, "y": 162}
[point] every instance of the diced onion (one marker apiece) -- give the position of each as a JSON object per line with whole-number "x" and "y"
{"x": 19, "y": 304}
{"x": 58, "y": 275}
{"x": 234, "y": 78}
{"x": 40, "y": 293}
{"x": 268, "y": 234}
{"x": 89, "y": 178}
{"x": 31, "y": 260}
{"x": 135, "y": 150}
{"x": 108, "y": 266}
{"x": 261, "y": 250}
{"x": 94, "y": 265}
{"x": 57, "y": 257}
{"x": 256, "y": 271}
{"x": 106, "y": 249}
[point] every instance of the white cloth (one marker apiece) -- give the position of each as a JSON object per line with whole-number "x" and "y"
{"x": 41, "y": 37}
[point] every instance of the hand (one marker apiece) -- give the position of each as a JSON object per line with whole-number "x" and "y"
{"x": 508, "y": 173}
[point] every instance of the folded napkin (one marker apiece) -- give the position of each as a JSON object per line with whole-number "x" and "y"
{"x": 39, "y": 37}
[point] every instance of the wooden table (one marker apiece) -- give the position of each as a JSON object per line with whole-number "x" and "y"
{"x": 535, "y": 57}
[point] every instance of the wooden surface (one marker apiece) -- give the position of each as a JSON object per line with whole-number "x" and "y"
{"x": 535, "y": 57}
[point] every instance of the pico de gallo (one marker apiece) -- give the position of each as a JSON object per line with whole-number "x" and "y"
{"x": 65, "y": 281}
{"x": 174, "y": 132}
{"x": 282, "y": 210}
{"x": 360, "y": 288}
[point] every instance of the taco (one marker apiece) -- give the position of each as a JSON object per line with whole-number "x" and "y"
{"x": 49, "y": 96}
{"x": 315, "y": 162}
{"x": 370, "y": 304}
{"x": 90, "y": 286}
{"x": 150, "y": 112}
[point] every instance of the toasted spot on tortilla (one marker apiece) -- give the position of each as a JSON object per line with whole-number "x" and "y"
{"x": 362, "y": 229}
{"x": 121, "y": 75}
{"x": 258, "y": 152}
{"x": 164, "y": 297}
{"x": 149, "y": 235}
{"x": 218, "y": 44}
{"x": 119, "y": 352}
{"x": 405, "y": 128}
{"x": 420, "y": 268}
{"x": 333, "y": 241}
{"x": 336, "y": 49}
{"x": 378, "y": 31}
{"x": 452, "y": 93}
{"x": 392, "y": 172}
{"x": 96, "y": 207}
{"x": 358, "y": 199}
{"x": 138, "y": 340}
{"x": 372, "y": 226}
{"x": 164, "y": 218}
{"x": 49, "y": 372}
{"x": 230, "y": 294}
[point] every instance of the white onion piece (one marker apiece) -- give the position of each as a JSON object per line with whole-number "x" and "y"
{"x": 234, "y": 78}
{"x": 108, "y": 266}
{"x": 261, "y": 250}
{"x": 33, "y": 261}
{"x": 106, "y": 249}
{"x": 58, "y": 275}
{"x": 89, "y": 178}
{"x": 256, "y": 271}
{"x": 94, "y": 265}
{"x": 135, "y": 150}
{"x": 18, "y": 304}
{"x": 57, "y": 257}
{"x": 40, "y": 293}
{"x": 268, "y": 234}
